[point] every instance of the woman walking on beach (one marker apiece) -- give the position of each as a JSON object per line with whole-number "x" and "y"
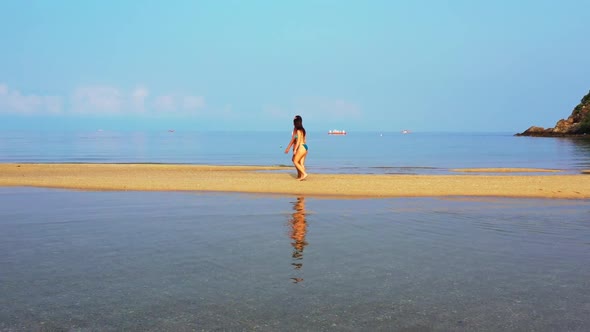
{"x": 297, "y": 141}
{"x": 300, "y": 149}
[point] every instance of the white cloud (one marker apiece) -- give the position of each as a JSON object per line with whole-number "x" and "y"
{"x": 138, "y": 98}
{"x": 99, "y": 99}
{"x": 53, "y": 104}
{"x": 165, "y": 103}
{"x": 175, "y": 102}
{"x": 193, "y": 103}
{"x": 110, "y": 99}
{"x": 13, "y": 101}
{"x": 226, "y": 112}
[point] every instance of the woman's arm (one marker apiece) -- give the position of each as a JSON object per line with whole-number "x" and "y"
{"x": 290, "y": 142}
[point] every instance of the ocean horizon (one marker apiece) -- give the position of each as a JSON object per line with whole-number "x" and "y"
{"x": 356, "y": 152}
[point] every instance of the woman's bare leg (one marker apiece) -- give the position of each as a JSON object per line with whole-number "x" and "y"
{"x": 303, "y": 160}
{"x": 293, "y": 160}
{"x": 301, "y": 153}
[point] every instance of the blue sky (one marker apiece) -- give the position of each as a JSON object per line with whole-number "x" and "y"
{"x": 251, "y": 65}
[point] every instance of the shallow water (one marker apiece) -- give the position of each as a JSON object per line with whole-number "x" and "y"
{"x": 151, "y": 261}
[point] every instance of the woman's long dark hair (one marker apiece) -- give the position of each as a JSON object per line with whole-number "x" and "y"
{"x": 298, "y": 124}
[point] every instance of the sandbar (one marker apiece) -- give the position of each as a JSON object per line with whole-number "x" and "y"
{"x": 281, "y": 180}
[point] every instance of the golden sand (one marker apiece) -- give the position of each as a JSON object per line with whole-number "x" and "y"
{"x": 280, "y": 180}
{"x": 505, "y": 170}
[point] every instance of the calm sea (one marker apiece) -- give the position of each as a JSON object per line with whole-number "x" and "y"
{"x": 169, "y": 261}
{"x": 151, "y": 261}
{"x": 364, "y": 152}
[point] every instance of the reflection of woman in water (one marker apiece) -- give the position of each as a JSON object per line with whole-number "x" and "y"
{"x": 297, "y": 233}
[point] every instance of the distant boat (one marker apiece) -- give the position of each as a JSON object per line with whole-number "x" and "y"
{"x": 405, "y": 131}
{"x": 337, "y": 132}
{"x": 170, "y": 130}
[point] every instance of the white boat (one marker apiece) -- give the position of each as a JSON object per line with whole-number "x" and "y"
{"x": 336, "y": 132}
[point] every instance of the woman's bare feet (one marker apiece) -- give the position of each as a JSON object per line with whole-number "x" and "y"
{"x": 302, "y": 177}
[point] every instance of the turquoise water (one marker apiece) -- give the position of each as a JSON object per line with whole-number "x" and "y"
{"x": 150, "y": 261}
{"x": 366, "y": 152}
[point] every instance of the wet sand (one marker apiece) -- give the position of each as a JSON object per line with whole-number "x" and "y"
{"x": 281, "y": 180}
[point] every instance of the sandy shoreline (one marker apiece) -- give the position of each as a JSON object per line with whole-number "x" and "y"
{"x": 505, "y": 170}
{"x": 260, "y": 179}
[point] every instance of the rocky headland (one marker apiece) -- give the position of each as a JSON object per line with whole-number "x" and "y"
{"x": 577, "y": 124}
